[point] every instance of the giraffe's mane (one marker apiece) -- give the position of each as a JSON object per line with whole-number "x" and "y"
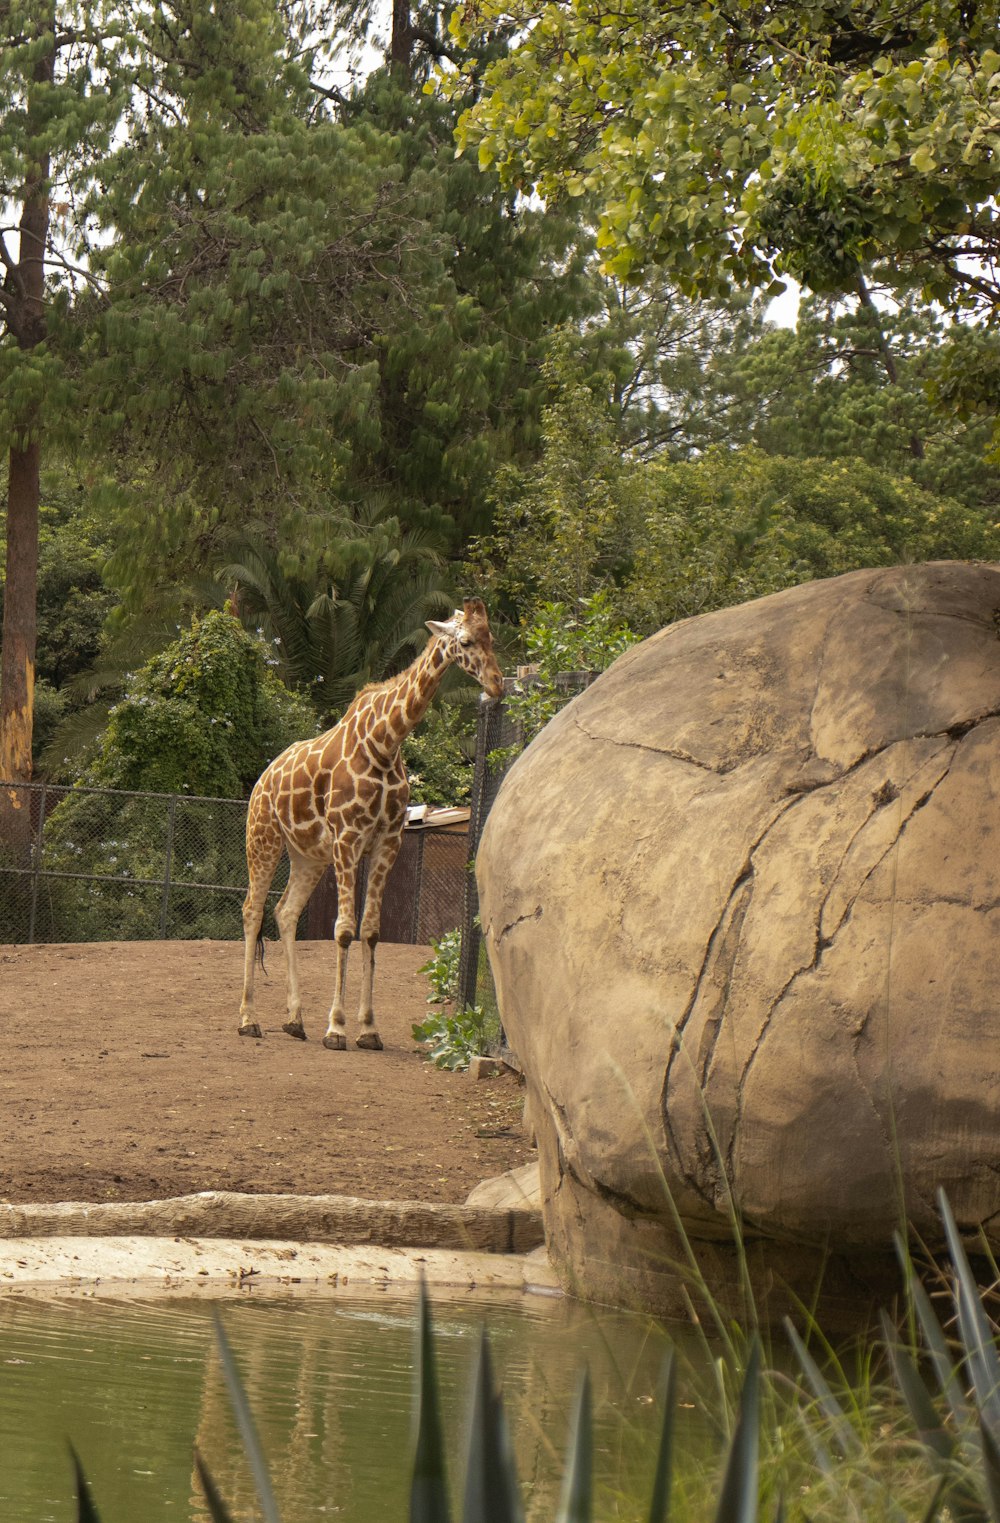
{"x": 386, "y": 682}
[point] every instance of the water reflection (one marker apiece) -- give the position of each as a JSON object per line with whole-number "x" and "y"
{"x": 136, "y": 1383}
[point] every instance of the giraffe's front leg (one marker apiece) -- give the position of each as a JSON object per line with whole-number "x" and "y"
{"x": 336, "y": 1032}
{"x": 380, "y": 864}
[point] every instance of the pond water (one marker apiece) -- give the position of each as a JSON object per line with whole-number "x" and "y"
{"x": 135, "y": 1384}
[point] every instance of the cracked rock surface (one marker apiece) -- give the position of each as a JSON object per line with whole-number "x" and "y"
{"x": 742, "y": 901}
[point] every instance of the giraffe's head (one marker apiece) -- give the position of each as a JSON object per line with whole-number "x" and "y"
{"x": 470, "y": 644}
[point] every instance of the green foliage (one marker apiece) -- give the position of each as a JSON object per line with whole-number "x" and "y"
{"x": 855, "y": 381}
{"x": 202, "y": 718}
{"x": 561, "y": 528}
{"x": 205, "y": 717}
{"x": 453, "y": 1039}
{"x": 731, "y": 527}
{"x": 440, "y": 755}
{"x": 730, "y": 143}
{"x": 358, "y": 618}
{"x": 441, "y": 969}
{"x": 666, "y": 538}
{"x": 567, "y": 648}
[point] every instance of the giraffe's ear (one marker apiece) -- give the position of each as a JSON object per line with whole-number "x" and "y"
{"x": 444, "y": 630}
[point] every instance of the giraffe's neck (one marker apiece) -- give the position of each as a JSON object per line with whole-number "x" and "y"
{"x": 402, "y": 702}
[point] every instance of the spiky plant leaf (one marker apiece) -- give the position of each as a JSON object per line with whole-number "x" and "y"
{"x": 991, "y": 1469}
{"x": 576, "y": 1501}
{"x": 926, "y": 1417}
{"x": 937, "y": 1345}
{"x": 245, "y": 1423}
{"x": 963, "y": 1503}
{"x": 429, "y": 1487}
{"x": 977, "y": 1338}
{"x": 86, "y": 1511}
{"x": 829, "y": 1406}
{"x": 659, "y": 1504}
{"x": 491, "y": 1490}
{"x": 216, "y": 1506}
{"x": 738, "y": 1497}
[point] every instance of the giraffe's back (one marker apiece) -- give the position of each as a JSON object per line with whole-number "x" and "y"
{"x": 325, "y": 794}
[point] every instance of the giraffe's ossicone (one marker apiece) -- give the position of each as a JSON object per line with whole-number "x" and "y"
{"x": 339, "y": 798}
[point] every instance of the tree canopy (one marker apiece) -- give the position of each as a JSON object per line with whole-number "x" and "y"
{"x": 736, "y": 143}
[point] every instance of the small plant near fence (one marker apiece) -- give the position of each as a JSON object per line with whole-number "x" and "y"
{"x": 452, "y": 1037}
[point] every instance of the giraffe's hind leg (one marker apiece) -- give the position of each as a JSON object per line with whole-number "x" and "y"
{"x": 264, "y": 848}
{"x": 379, "y": 867}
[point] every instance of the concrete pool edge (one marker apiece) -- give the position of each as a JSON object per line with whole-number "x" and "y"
{"x": 218, "y": 1242}
{"x": 107, "y": 1265}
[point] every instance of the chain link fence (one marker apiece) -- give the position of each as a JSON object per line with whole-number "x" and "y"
{"x": 99, "y": 864}
{"x": 96, "y": 864}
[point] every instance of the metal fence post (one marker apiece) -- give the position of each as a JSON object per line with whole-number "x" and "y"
{"x": 36, "y": 867}
{"x": 418, "y": 885}
{"x": 165, "y": 902}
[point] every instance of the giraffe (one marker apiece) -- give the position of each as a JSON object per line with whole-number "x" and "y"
{"x": 343, "y": 796}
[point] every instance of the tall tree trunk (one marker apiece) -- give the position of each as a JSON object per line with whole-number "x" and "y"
{"x": 26, "y": 321}
{"x": 401, "y": 44}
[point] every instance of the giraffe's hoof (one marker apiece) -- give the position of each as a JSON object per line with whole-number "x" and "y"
{"x": 295, "y": 1028}
{"x": 251, "y": 1029}
{"x": 370, "y": 1040}
{"x": 335, "y": 1040}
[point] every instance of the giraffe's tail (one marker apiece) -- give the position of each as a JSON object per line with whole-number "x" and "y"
{"x": 260, "y": 950}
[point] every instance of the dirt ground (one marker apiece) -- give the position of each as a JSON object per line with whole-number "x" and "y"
{"x": 122, "y": 1078}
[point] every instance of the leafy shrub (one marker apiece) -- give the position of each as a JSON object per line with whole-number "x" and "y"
{"x": 442, "y": 968}
{"x": 560, "y": 643}
{"x": 454, "y": 1040}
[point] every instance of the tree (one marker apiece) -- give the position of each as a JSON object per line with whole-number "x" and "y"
{"x": 735, "y": 143}
{"x": 76, "y": 78}
{"x": 202, "y": 718}
{"x": 361, "y": 618}
{"x": 845, "y": 387}
{"x": 58, "y": 107}
{"x": 668, "y": 538}
{"x": 562, "y": 527}
{"x": 205, "y": 716}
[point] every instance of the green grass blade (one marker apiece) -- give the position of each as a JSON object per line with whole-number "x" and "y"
{"x": 86, "y": 1512}
{"x": 216, "y": 1506}
{"x": 575, "y": 1504}
{"x": 429, "y": 1487}
{"x": 738, "y": 1498}
{"x": 659, "y": 1505}
{"x": 245, "y": 1424}
{"x": 829, "y": 1406}
{"x": 491, "y": 1490}
{"x": 977, "y": 1338}
{"x": 937, "y": 1499}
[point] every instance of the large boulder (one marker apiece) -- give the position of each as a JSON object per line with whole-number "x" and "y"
{"x": 742, "y": 904}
